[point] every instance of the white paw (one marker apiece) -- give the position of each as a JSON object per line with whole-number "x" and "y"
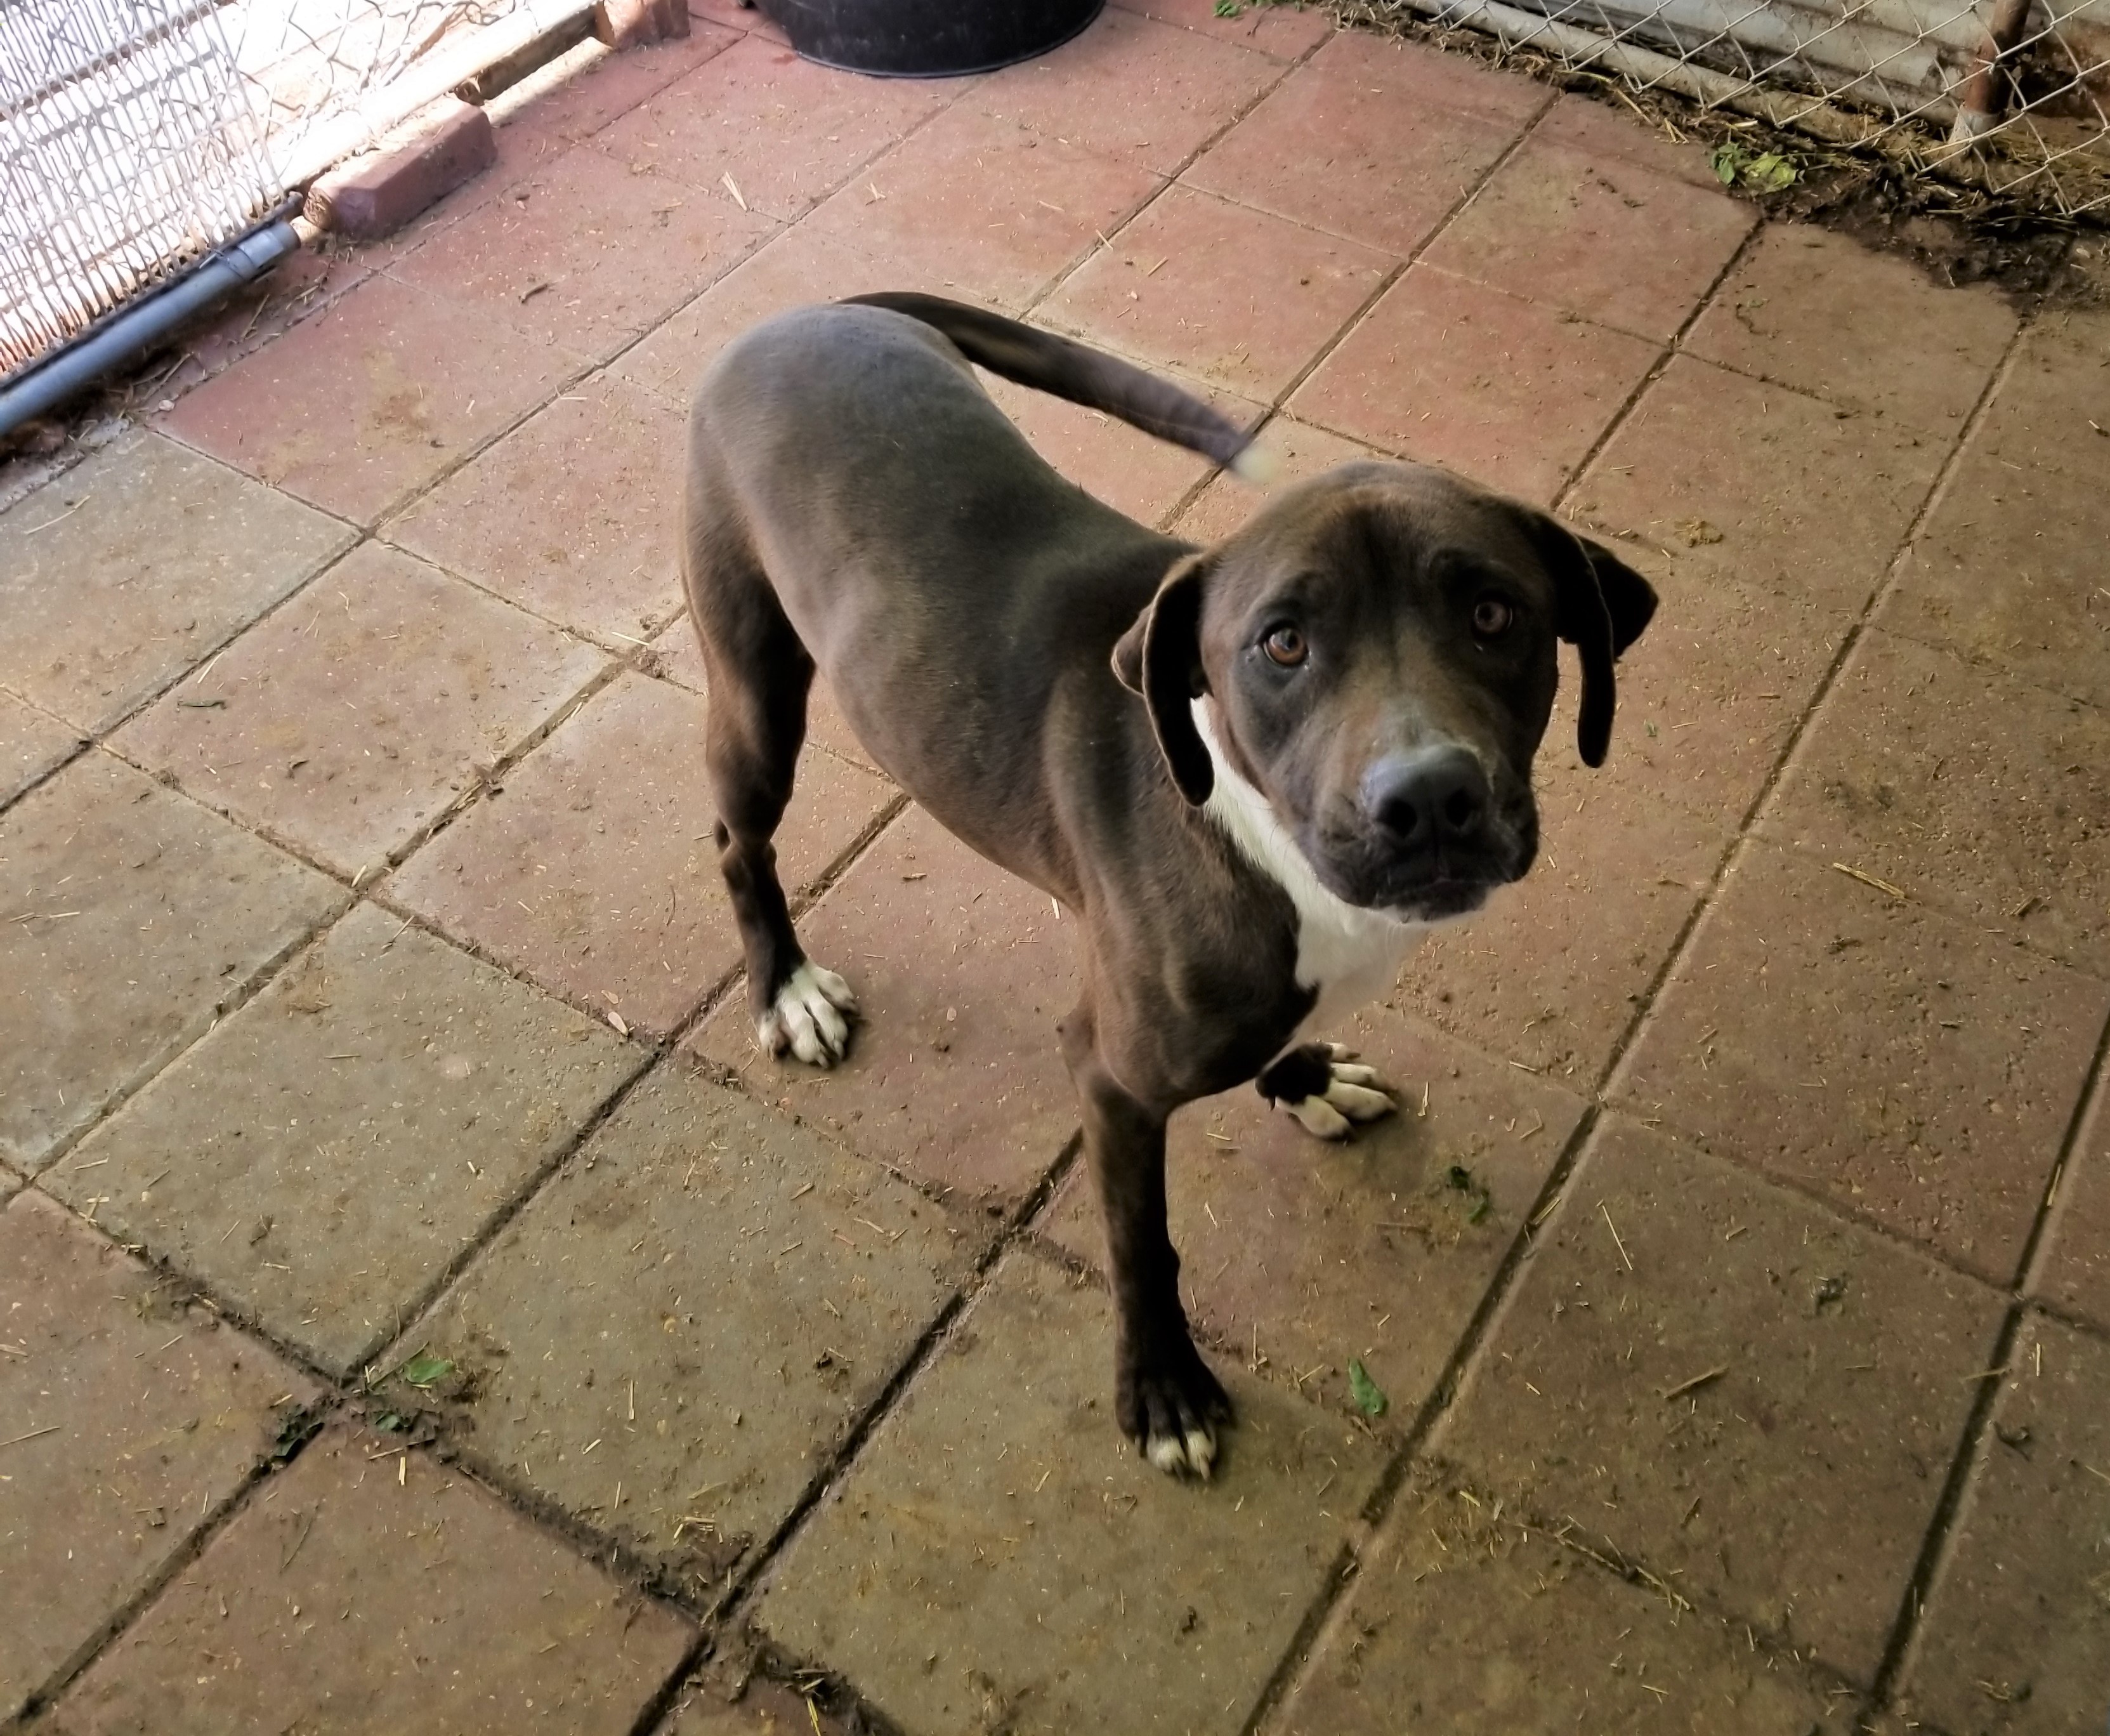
{"x": 1191, "y": 1453}
{"x": 806, "y": 1019}
{"x": 1351, "y": 1096}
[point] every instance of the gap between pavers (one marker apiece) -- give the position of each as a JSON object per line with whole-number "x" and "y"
{"x": 998, "y": 1556}
{"x": 1719, "y": 1380}
{"x": 364, "y": 1590}
{"x": 140, "y": 917}
{"x": 350, "y": 721}
{"x": 590, "y": 866}
{"x": 2016, "y": 1635}
{"x": 672, "y": 1340}
{"x": 131, "y": 568}
{"x": 325, "y": 1154}
{"x": 133, "y": 1415}
{"x": 1463, "y": 1621}
{"x": 1814, "y": 1030}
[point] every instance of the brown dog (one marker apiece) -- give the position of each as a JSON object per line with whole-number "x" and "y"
{"x": 1256, "y": 772}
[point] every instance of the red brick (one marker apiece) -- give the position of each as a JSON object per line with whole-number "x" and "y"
{"x": 350, "y": 1594}
{"x": 134, "y": 918}
{"x": 134, "y": 566}
{"x": 1829, "y": 316}
{"x": 1602, "y": 237}
{"x": 1299, "y": 449}
{"x": 136, "y": 1415}
{"x": 1509, "y": 393}
{"x": 1551, "y": 974}
{"x": 1907, "y": 1066}
{"x": 586, "y": 252}
{"x": 289, "y": 1161}
{"x": 799, "y": 269}
{"x": 572, "y": 515}
{"x": 985, "y": 204}
{"x": 635, "y": 24}
{"x": 787, "y": 132}
{"x": 961, "y": 972}
{"x": 1148, "y": 92}
{"x": 1762, "y": 485}
{"x": 2008, "y": 571}
{"x": 30, "y": 745}
{"x": 591, "y": 869}
{"x": 1236, "y": 298}
{"x": 1285, "y": 29}
{"x": 1485, "y": 1627}
{"x": 1372, "y": 139}
{"x": 350, "y": 720}
{"x": 373, "y": 397}
{"x": 2074, "y": 1273}
{"x": 1966, "y": 787}
{"x": 1686, "y": 1378}
{"x": 1711, "y": 695}
{"x": 445, "y": 146}
{"x": 2015, "y": 1637}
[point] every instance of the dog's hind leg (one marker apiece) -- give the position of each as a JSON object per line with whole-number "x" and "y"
{"x": 1316, "y": 1083}
{"x": 758, "y": 675}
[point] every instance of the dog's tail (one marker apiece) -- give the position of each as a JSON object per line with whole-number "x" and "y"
{"x": 1085, "y": 376}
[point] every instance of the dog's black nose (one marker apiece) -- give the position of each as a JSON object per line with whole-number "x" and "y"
{"x": 1432, "y": 796}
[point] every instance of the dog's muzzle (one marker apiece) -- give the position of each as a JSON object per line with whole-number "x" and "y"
{"x": 1429, "y": 837}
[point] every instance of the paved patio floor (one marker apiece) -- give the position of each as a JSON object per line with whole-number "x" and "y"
{"x": 422, "y": 1311}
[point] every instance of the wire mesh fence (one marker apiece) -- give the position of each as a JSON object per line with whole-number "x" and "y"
{"x": 2010, "y": 96}
{"x": 137, "y": 135}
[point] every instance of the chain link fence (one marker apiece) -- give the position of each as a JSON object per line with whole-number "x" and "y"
{"x": 2011, "y": 96}
{"x": 137, "y": 135}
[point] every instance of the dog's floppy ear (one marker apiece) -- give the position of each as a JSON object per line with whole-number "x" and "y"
{"x": 1603, "y": 606}
{"x": 1159, "y": 657}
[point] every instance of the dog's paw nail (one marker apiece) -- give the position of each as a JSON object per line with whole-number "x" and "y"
{"x": 806, "y": 1018}
{"x": 1318, "y": 1116}
{"x": 1359, "y": 1105}
{"x": 1201, "y": 1451}
{"x": 1167, "y": 1454}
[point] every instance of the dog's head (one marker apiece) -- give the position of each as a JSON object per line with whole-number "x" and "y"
{"x": 1378, "y": 646}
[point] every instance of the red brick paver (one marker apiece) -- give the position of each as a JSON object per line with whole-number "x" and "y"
{"x": 123, "y": 574}
{"x": 1817, "y": 1028}
{"x": 1732, "y": 1269}
{"x": 572, "y": 515}
{"x": 2016, "y": 1629}
{"x": 136, "y": 1415}
{"x": 1509, "y": 393}
{"x": 757, "y": 1289}
{"x": 1047, "y": 1579}
{"x": 324, "y": 1153}
{"x": 355, "y": 715}
{"x": 1686, "y": 1375}
{"x": 133, "y": 918}
{"x": 591, "y": 868}
{"x": 961, "y": 973}
{"x": 1466, "y": 1620}
{"x": 373, "y": 397}
{"x": 367, "y": 1593}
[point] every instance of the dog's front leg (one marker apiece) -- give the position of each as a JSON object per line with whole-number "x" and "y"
{"x": 1166, "y": 1399}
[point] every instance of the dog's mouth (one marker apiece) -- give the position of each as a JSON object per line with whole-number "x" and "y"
{"x": 1429, "y": 885}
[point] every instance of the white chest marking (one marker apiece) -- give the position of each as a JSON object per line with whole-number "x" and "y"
{"x": 1351, "y": 955}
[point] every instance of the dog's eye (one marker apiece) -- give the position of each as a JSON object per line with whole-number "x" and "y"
{"x": 1285, "y": 645}
{"x": 1492, "y": 617}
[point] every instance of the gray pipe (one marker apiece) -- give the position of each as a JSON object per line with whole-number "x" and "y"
{"x": 137, "y": 327}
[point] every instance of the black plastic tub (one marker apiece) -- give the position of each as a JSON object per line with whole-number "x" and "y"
{"x": 927, "y": 39}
